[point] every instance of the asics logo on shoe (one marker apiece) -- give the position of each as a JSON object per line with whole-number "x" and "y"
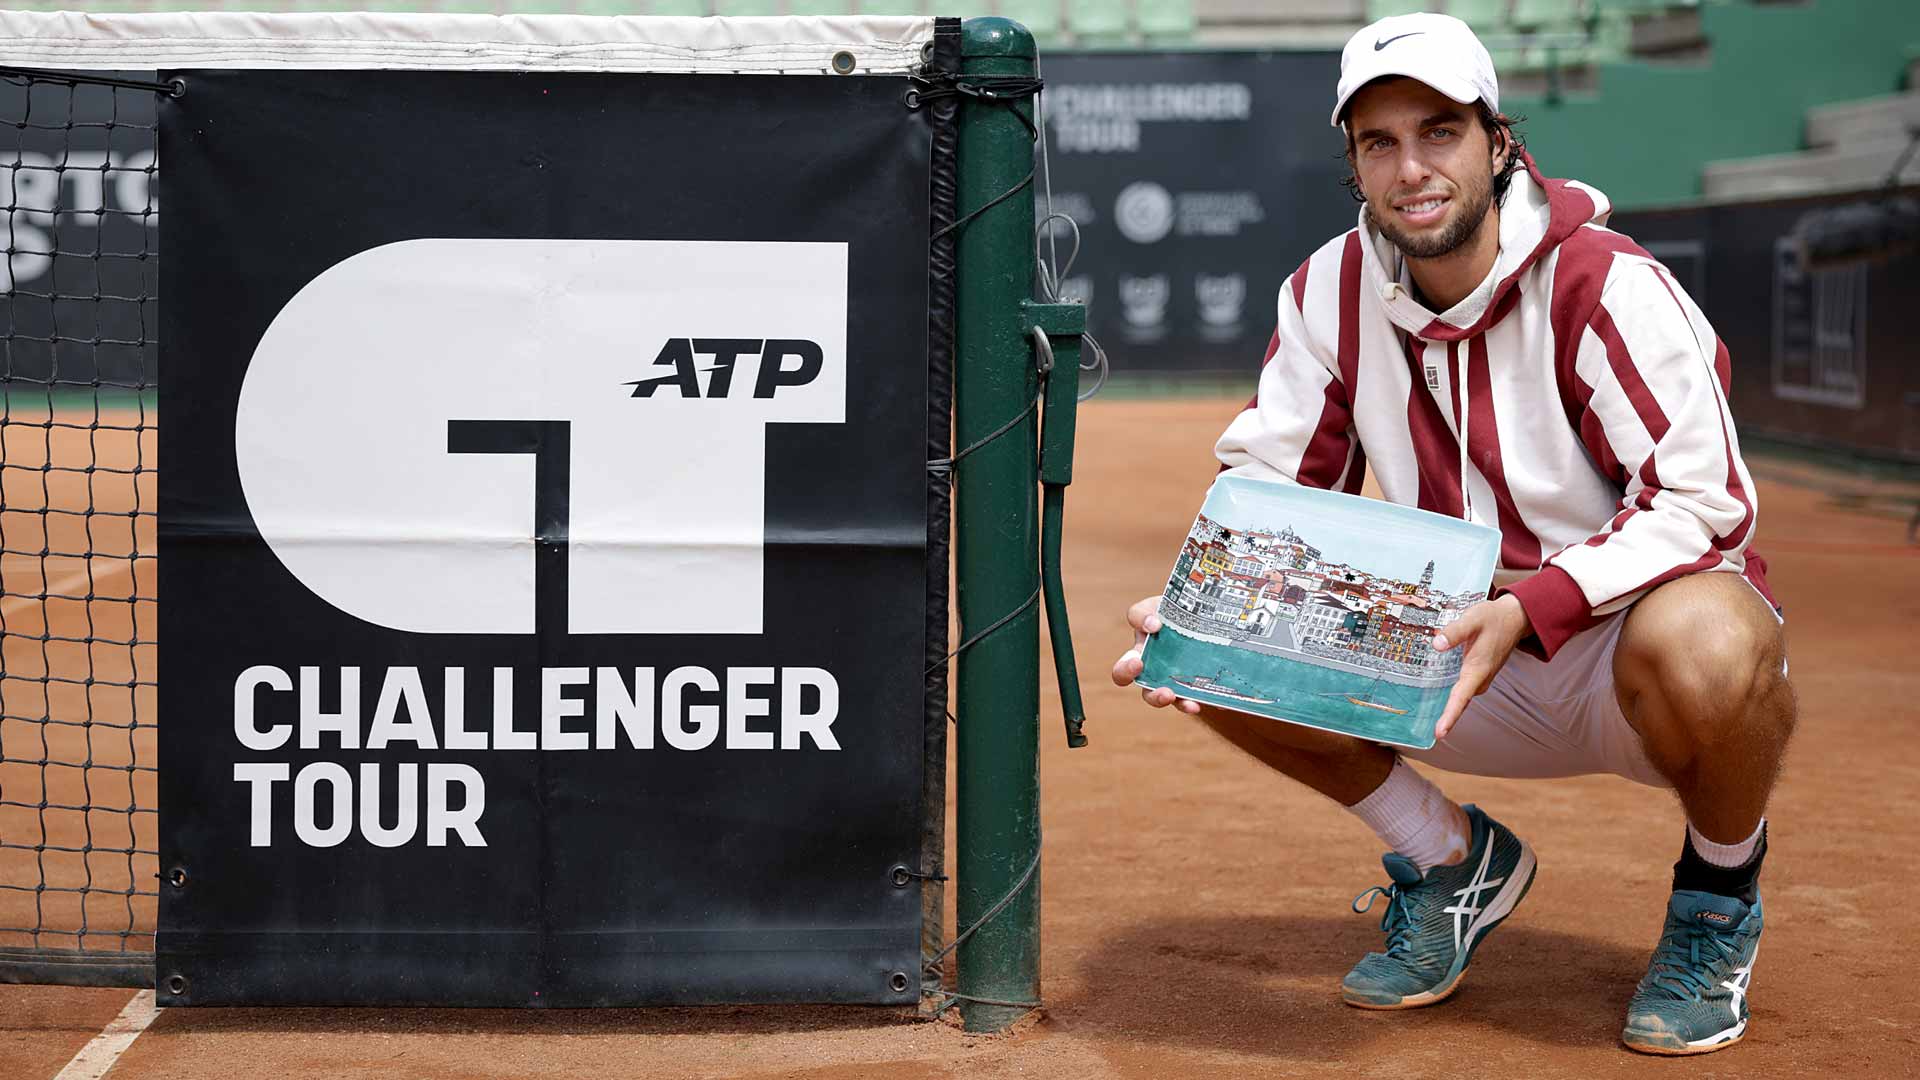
{"x": 1470, "y": 905}
{"x": 1737, "y": 986}
{"x": 1720, "y": 917}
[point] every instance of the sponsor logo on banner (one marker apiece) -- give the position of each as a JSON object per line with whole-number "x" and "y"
{"x": 1217, "y": 213}
{"x": 1222, "y": 300}
{"x": 1108, "y": 118}
{"x": 1147, "y": 212}
{"x": 1143, "y": 302}
{"x": 1144, "y": 212}
{"x": 428, "y": 424}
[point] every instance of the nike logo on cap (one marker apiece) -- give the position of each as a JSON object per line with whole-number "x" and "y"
{"x": 1378, "y": 45}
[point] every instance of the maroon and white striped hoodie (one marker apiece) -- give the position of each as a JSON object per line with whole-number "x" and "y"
{"x": 1576, "y": 401}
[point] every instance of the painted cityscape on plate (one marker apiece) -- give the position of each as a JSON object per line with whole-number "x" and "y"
{"x": 1318, "y": 608}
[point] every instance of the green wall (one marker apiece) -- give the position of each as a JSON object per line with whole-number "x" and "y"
{"x": 1644, "y": 137}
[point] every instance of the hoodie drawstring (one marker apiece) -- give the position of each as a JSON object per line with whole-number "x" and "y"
{"x": 1466, "y": 371}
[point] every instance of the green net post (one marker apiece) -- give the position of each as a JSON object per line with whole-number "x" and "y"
{"x": 996, "y": 544}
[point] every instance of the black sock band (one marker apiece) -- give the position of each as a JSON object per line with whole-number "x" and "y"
{"x": 1743, "y": 881}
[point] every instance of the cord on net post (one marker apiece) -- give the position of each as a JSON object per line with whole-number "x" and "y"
{"x": 930, "y": 969}
{"x": 993, "y": 89}
{"x": 1001, "y": 90}
{"x": 1007, "y": 90}
{"x": 930, "y": 965}
{"x": 1052, "y": 275}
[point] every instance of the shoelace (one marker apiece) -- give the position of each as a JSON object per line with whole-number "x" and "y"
{"x": 1677, "y": 963}
{"x": 1396, "y": 920}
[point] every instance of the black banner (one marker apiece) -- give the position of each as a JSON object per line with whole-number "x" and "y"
{"x": 1820, "y": 347}
{"x": 544, "y": 535}
{"x": 1200, "y": 180}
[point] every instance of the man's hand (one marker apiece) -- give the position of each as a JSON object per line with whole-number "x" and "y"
{"x": 1488, "y": 630}
{"x": 1144, "y": 617}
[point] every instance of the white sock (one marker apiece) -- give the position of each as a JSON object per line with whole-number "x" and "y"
{"x": 1725, "y": 856}
{"x": 1413, "y": 818}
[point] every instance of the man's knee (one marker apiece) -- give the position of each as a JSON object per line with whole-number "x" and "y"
{"x": 1704, "y": 656}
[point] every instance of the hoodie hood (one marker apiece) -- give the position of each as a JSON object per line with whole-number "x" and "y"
{"x": 1538, "y": 214}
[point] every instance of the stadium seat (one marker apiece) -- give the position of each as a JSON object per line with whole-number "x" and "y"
{"x": 1482, "y": 15}
{"x": 1612, "y": 37}
{"x": 1098, "y": 21}
{"x": 1547, "y": 14}
{"x": 1636, "y": 7}
{"x": 1380, "y": 9}
{"x": 1040, "y": 16}
{"x": 1163, "y": 20}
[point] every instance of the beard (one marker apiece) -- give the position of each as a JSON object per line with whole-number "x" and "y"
{"x": 1471, "y": 203}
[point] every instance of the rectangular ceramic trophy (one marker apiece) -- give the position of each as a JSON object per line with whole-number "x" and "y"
{"x": 1318, "y": 608}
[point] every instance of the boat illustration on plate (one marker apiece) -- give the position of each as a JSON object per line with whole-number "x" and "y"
{"x": 1212, "y": 684}
{"x": 1367, "y": 702}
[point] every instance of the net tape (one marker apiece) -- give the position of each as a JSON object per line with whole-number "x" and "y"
{"x": 78, "y": 427}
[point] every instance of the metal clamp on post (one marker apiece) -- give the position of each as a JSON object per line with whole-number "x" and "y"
{"x": 1056, "y": 330}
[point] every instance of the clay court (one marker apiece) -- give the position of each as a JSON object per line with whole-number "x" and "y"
{"x": 1195, "y": 914}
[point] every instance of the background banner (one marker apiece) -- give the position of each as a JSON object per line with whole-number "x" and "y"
{"x": 81, "y": 275}
{"x": 1200, "y": 180}
{"x": 544, "y": 537}
{"x": 1821, "y": 352}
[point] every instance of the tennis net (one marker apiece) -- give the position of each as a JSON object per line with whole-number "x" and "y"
{"x": 78, "y": 432}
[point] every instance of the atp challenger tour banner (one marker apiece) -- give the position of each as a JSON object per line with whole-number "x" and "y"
{"x": 544, "y": 538}
{"x": 1200, "y": 181}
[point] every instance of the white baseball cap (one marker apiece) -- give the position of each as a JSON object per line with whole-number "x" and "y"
{"x": 1438, "y": 50}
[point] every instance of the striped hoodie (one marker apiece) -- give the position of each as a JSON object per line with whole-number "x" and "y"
{"x": 1576, "y": 401}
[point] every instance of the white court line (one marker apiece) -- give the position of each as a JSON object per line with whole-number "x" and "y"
{"x": 95, "y": 1058}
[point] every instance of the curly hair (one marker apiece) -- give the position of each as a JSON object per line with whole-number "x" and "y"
{"x": 1496, "y": 124}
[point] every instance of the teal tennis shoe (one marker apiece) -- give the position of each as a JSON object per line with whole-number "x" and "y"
{"x": 1693, "y": 999}
{"x": 1435, "y": 921}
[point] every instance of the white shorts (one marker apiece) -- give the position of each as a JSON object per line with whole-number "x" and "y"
{"x": 1542, "y": 720}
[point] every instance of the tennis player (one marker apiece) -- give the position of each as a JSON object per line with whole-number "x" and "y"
{"x": 1498, "y": 354}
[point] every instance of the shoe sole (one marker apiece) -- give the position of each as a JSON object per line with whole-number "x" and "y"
{"x": 1412, "y": 1001}
{"x": 1700, "y": 1046}
{"x": 1504, "y": 903}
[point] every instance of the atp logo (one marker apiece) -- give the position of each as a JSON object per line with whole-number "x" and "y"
{"x": 426, "y": 438}
{"x": 773, "y": 354}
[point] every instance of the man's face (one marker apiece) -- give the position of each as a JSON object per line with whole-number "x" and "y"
{"x": 1425, "y": 164}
